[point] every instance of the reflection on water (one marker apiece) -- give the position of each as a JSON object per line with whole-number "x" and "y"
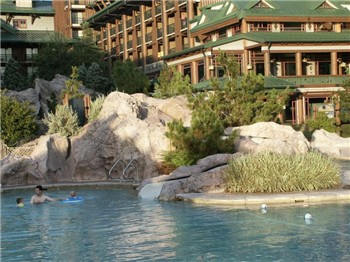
{"x": 114, "y": 225}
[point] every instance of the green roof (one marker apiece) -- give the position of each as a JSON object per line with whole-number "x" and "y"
{"x": 7, "y": 27}
{"x": 211, "y": 15}
{"x": 27, "y": 37}
{"x": 100, "y": 16}
{"x": 271, "y": 37}
{"x": 39, "y": 7}
{"x": 272, "y": 82}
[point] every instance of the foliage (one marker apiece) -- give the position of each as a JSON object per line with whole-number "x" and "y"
{"x": 18, "y": 123}
{"x": 243, "y": 99}
{"x": 95, "y": 108}
{"x": 345, "y": 130}
{"x": 64, "y": 121}
{"x": 321, "y": 121}
{"x": 201, "y": 139}
{"x": 14, "y": 77}
{"x": 59, "y": 55}
{"x": 52, "y": 103}
{"x": 272, "y": 172}
{"x": 93, "y": 78}
{"x": 128, "y": 78}
{"x": 172, "y": 83}
{"x": 73, "y": 85}
{"x": 344, "y": 97}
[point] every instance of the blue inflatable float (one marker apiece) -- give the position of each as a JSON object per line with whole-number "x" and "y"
{"x": 73, "y": 200}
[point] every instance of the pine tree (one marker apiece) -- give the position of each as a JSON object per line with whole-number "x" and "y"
{"x": 14, "y": 76}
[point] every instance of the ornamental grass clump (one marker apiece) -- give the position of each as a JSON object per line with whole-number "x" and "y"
{"x": 272, "y": 172}
{"x": 64, "y": 121}
{"x": 95, "y": 108}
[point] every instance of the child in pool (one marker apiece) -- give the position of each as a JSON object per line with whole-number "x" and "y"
{"x": 20, "y": 202}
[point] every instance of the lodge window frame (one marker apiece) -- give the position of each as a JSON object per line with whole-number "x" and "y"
{"x": 20, "y": 23}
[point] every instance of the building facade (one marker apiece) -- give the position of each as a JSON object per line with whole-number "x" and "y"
{"x": 304, "y": 45}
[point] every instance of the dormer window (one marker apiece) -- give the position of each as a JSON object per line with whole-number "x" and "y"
{"x": 327, "y": 5}
{"x": 262, "y": 4}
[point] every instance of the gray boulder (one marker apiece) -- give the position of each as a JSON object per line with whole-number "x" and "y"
{"x": 29, "y": 95}
{"x": 331, "y": 144}
{"x": 269, "y": 136}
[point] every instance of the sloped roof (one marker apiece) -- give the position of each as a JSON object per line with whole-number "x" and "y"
{"x": 212, "y": 14}
{"x": 7, "y": 27}
{"x": 27, "y": 37}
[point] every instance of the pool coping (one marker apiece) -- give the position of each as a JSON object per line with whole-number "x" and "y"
{"x": 255, "y": 200}
{"x": 72, "y": 184}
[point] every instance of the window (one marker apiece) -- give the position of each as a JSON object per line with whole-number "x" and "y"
{"x": 290, "y": 69}
{"x": 20, "y": 23}
{"x": 30, "y": 52}
{"x": 187, "y": 71}
{"x": 6, "y": 54}
{"x": 222, "y": 33}
{"x": 201, "y": 73}
{"x": 324, "y": 68}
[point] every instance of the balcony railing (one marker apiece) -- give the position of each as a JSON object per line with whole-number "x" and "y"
{"x": 149, "y": 59}
{"x": 186, "y": 45}
{"x": 183, "y": 23}
{"x": 129, "y": 23}
{"x": 105, "y": 35}
{"x": 29, "y": 57}
{"x": 148, "y": 14}
{"x": 172, "y": 50}
{"x": 181, "y": 2}
{"x": 169, "y": 5}
{"x": 113, "y": 51}
{"x": 121, "y": 47}
{"x": 77, "y": 20}
{"x": 171, "y": 29}
{"x": 158, "y": 9}
{"x": 159, "y": 32}
{"x": 148, "y": 37}
{"x": 313, "y": 80}
{"x": 113, "y": 31}
{"x": 129, "y": 44}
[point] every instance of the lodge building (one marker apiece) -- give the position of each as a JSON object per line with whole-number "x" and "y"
{"x": 304, "y": 45}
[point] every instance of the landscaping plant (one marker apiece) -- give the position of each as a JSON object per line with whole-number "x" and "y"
{"x": 95, "y": 108}
{"x": 272, "y": 172}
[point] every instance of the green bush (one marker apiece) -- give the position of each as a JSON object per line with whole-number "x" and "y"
{"x": 95, "y": 108}
{"x": 345, "y": 130}
{"x": 18, "y": 123}
{"x": 64, "y": 121}
{"x": 321, "y": 121}
{"x": 272, "y": 172}
{"x": 14, "y": 77}
{"x": 172, "y": 83}
{"x": 73, "y": 85}
{"x": 94, "y": 79}
{"x": 128, "y": 78}
{"x": 344, "y": 97}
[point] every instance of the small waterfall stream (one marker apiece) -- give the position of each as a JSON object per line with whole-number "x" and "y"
{"x": 151, "y": 191}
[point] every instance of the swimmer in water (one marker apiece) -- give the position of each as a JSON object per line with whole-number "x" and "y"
{"x": 40, "y": 197}
{"x": 20, "y": 202}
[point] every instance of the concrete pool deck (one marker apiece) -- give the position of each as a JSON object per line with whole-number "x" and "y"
{"x": 240, "y": 200}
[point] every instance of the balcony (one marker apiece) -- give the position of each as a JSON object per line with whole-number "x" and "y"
{"x": 98, "y": 37}
{"x": 172, "y": 50}
{"x": 113, "y": 31}
{"x": 169, "y": 5}
{"x": 120, "y": 28}
{"x": 139, "y": 40}
{"x": 159, "y": 32}
{"x": 171, "y": 29}
{"x": 78, "y": 5}
{"x": 129, "y": 23}
{"x": 186, "y": 45}
{"x": 149, "y": 59}
{"x": 148, "y": 37}
{"x": 148, "y": 14}
{"x": 105, "y": 35}
{"x": 138, "y": 19}
{"x": 77, "y": 21}
{"x": 315, "y": 80}
{"x": 158, "y": 9}
{"x": 183, "y": 23}
{"x": 114, "y": 51}
{"x": 121, "y": 47}
{"x": 5, "y": 58}
{"x": 129, "y": 44}
{"x": 182, "y": 2}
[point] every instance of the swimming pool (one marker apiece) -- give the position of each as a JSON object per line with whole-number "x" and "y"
{"x": 113, "y": 224}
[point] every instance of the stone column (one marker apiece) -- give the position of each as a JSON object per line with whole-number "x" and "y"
{"x": 334, "y": 64}
{"x": 267, "y": 67}
{"x": 298, "y": 64}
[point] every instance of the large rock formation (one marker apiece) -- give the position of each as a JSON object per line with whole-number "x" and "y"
{"x": 127, "y": 128}
{"x": 29, "y": 95}
{"x": 206, "y": 176}
{"x": 331, "y": 144}
{"x": 269, "y": 136}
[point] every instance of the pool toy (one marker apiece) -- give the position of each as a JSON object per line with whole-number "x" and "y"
{"x": 73, "y": 200}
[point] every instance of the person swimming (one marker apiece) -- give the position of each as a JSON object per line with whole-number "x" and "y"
{"x": 73, "y": 198}
{"x": 20, "y": 202}
{"x": 40, "y": 197}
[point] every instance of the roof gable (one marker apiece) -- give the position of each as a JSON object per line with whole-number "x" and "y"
{"x": 261, "y": 4}
{"x": 326, "y": 4}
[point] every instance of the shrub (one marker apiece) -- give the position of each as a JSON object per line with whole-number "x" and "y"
{"x": 17, "y": 121}
{"x": 272, "y": 172}
{"x": 321, "y": 121}
{"x": 345, "y": 130}
{"x": 128, "y": 78}
{"x": 14, "y": 77}
{"x": 64, "y": 121}
{"x": 344, "y": 97}
{"x": 95, "y": 108}
{"x": 73, "y": 85}
{"x": 93, "y": 78}
{"x": 172, "y": 83}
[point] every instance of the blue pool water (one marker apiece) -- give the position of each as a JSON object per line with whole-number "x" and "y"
{"x": 115, "y": 225}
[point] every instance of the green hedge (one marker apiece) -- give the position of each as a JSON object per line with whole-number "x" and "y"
{"x": 272, "y": 172}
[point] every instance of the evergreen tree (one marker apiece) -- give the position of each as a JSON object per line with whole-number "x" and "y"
{"x": 172, "y": 83}
{"x": 14, "y": 76}
{"x": 345, "y": 103}
{"x": 82, "y": 72}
